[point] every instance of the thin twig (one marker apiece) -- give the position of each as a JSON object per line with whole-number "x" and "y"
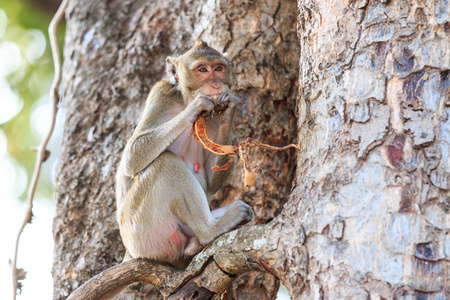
{"x": 250, "y": 141}
{"x": 42, "y": 152}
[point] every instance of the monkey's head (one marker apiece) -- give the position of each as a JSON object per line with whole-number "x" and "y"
{"x": 201, "y": 70}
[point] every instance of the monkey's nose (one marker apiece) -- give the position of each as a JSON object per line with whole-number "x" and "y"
{"x": 215, "y": 84}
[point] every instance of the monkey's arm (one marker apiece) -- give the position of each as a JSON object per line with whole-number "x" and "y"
{"x": 163, "y": 120}
{"x": 146, "y": 145}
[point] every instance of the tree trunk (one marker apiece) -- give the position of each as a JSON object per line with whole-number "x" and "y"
{"x": 115, "y": 51}
{"x": 373, "y": 177}
{"x": 369, "y": 214}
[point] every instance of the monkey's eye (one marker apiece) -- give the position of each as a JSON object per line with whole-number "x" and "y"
{"x": 203, "y": 69}
{"x": 219, "y": 68}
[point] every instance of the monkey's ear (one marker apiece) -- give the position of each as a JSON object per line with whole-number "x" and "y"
{"x": 200, "y": 44}
{"x": 171, "y": 69}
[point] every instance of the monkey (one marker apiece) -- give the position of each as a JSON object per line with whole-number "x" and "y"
{"x": 164, "y": 181}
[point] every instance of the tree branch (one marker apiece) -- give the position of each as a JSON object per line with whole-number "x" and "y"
{"x": 213, "y": 269}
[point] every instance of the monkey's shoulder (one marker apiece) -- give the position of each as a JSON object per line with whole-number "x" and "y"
{"x": 165, "y": 91}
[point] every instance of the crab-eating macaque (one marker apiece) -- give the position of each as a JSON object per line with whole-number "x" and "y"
{"x": 164, "y": 182}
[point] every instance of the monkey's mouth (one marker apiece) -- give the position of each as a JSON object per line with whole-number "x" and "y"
{"x": 214, "y": 97}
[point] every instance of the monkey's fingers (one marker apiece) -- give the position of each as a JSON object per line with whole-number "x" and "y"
{"x": 202, "y": 137}
{"x": 207, "y": 114}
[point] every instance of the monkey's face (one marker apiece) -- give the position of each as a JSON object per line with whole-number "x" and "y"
{"x": 209, "y": 76}
{"x": 201, "y": 70}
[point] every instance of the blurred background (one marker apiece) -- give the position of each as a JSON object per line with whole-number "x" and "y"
{"x": 26, "y": 73}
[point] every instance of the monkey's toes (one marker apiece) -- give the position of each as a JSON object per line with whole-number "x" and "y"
{"x": 246, "y": 212}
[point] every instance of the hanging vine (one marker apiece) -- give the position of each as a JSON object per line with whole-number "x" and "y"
{"x": 42, "y": 152}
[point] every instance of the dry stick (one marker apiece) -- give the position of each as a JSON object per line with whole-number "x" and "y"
{"x": 42, "y": 153}
{"x": 231, "y": 151}
{"x": 249, "y": 176}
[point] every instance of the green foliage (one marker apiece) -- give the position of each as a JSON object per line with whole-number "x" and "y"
{"x": 26, "y": 73}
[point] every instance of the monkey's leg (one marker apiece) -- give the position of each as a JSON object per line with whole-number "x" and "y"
{"x": 210, "y": 227}
{"x": 219, "y": 212}
{"x": 194, "y": 246}
{"x": 193, "y": 210}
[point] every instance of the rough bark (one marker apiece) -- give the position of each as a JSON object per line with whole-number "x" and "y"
{"x": 373, "y": 175}
{"x": 114, "y": 53}
{"x": 369, "y": 215}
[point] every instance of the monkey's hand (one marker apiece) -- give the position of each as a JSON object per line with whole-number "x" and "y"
{"x": 203, "y": 106}
{"x": 229, "y": 102}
